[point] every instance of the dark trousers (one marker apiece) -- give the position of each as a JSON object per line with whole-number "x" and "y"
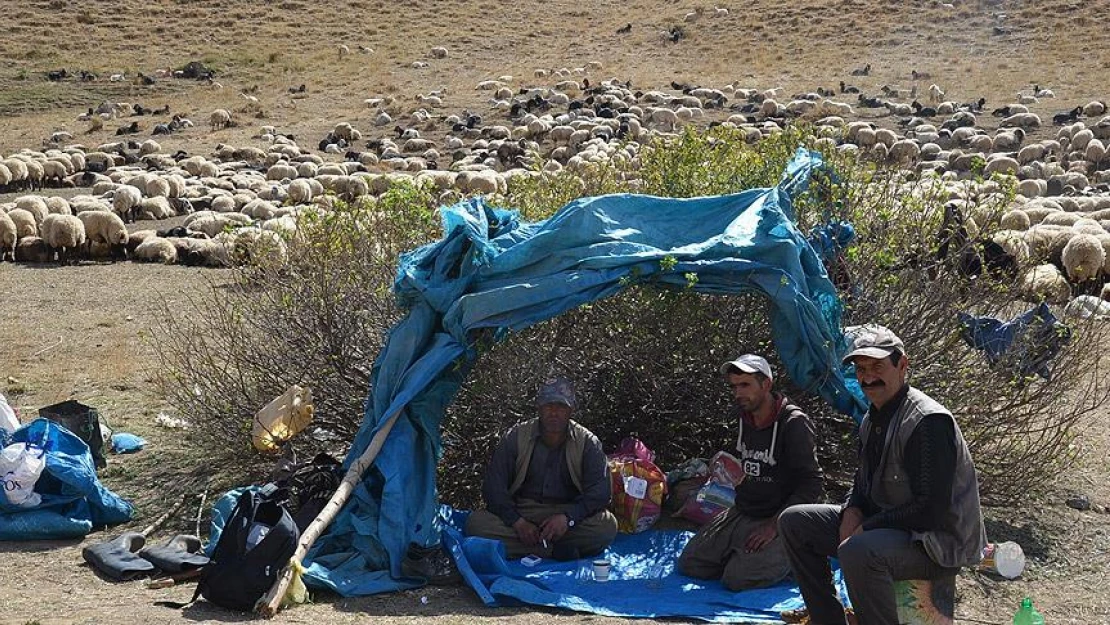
{"x": 871, "y": 562}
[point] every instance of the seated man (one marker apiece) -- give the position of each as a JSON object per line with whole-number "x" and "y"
{"x": 547, "y": 487}
{"x": 742, "y": 547}
{"x": 913, "y": 512}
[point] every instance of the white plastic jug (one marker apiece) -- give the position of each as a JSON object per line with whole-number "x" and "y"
{"x": 1007, "y": 559}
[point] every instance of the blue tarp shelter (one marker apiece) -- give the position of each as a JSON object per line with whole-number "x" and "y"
{"x": 492, "y": 271}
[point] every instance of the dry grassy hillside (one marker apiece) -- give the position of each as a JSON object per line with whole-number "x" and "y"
{"x": 975, "y": 48}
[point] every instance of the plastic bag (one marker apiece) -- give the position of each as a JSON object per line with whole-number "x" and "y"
{"x": 718, "y": 493}
{"x": 8, "y": 421}
{"x": 21, "y": 465}
{"x": 638, "y": 486}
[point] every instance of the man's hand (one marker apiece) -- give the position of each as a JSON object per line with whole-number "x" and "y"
{"x": 527, "y": 532}
{"x": 553, "y": 527}
{"x": 851, "y": 523}
{"x": 762, "y": 535}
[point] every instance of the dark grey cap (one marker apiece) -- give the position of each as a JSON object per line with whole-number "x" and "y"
{"x": 873, "y": 341}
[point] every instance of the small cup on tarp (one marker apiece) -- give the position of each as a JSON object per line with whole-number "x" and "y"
{"x": 82, "y": 420}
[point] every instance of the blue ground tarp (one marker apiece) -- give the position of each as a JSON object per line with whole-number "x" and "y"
{"x": 643, "y": 583}
{"x": 73, "y": 499}
{"x": 492, "y": 271}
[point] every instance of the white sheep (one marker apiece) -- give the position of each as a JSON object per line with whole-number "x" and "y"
{"x": 125, "y": 202}
{"x": 439, "y": 52}
{"x": 936, "y": 94}
{"x": 300, "y": 192}
{"x": 9, "y": 236}
{"x": 1044, "y": 282}
{"x": 1083, "y": 257}
{"x": 63, "y": 234}
{"x": 34, "y": 205}
{"x": 219, "y": 118}
{"x": 105, "y": 228}
{"x": 156, "y": 249}
{"x": 25, "y": 223}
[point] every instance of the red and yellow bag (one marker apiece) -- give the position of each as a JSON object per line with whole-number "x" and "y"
{"x": 638, "y": 486}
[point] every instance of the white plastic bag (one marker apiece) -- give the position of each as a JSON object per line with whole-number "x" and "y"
{"x": 21, "y": 465}
{"x": 8, "y": 420}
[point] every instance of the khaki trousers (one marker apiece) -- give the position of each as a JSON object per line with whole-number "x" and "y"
{"x": 717, "y": 552}
{"x": 588, "y": 537}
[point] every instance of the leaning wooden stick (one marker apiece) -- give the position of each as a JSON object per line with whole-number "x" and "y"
{"x": 269, "y": 605}
{"x": 160, "y": 521}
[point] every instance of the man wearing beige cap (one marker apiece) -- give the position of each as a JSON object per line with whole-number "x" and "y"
{"x": 547, "y": 487}
{"x": 913, "y": 512}
{"x": 742, "y": 547}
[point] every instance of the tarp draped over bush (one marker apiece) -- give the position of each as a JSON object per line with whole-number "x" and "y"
{"x": 490, "y": 271}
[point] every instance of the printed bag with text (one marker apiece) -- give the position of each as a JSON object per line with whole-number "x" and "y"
{"x": 638, "y": 486}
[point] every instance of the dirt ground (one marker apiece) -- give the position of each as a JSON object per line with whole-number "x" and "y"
{"x": 84, "y": 332}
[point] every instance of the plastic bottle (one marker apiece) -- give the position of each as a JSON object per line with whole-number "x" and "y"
{"x": 1027, "y": 615}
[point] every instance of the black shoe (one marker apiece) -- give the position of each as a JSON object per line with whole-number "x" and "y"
{"x": 432, "y": 564}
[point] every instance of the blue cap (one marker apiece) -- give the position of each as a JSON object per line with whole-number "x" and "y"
{"x": 556, "y": 391}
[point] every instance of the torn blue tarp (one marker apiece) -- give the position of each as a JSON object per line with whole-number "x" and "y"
{"x": 643, "y": 582}
{"x": 1024, "y": 345}
{"x": 73, "y": 499}
{"x": 491, "y": 271}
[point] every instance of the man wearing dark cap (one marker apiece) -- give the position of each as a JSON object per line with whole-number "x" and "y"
{"x": 913, "y": 512}
{"x": 742, "y": 547}
{"x": 547, "y": 487}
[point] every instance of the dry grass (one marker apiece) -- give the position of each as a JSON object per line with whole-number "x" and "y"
{"x": 104, "y": 312}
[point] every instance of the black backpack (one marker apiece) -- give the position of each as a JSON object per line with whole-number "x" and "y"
{"x": 238, "y": 576}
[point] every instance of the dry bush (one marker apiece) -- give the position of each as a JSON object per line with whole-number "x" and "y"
{"x": 645, "y": 361}
{"x": 318, "y": 321}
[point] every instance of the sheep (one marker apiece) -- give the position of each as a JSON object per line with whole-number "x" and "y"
{"x": 219, "y": 118}
{"x": 9, "y": 236}
{"x": 936, "y": 95}
{"x": 300, "y": 192}
{"x": 200, "y": 252}
{"x": 255, "y": 246}
{"x": 156, "y": 249}
{"x": 63, "y": 234}
{"x": 1015, "y": 220}
{"x": 1083, "y": 257}
{"x": 105, "y": 228}
{"x": 32, "y": 250}
{"x": 125, "y": 202}
{"x": 34, "y": 205}
{"x": 439, "y": 52}
{"x": 1044, "y": 282}
{"x": 25, "y": 223}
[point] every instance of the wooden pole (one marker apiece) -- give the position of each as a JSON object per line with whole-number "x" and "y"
{"x": 269, "y": 605}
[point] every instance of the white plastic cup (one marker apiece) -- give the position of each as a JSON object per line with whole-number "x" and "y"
{"x": 601, "y": 570}
{"x": 1006, "y": 559}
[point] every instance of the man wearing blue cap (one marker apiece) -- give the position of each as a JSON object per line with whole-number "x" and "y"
{"x": 742, "y": 547}
{"x": 547, "y": 487}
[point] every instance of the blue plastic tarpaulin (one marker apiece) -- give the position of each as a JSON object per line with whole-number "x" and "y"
{"x": 643, "y": 566}
{"x": 73, "y": 499}
{"x": 1025, "y": 344}
{"x": 492, "y": 271}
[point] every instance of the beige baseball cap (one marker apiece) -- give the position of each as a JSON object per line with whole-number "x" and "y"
{"x": 873, "y": 341}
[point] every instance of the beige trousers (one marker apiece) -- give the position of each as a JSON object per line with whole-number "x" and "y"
{"x": 588, "y": 537}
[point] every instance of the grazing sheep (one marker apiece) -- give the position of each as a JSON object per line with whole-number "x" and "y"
{"x": 1083, "y": 257}
{"x": 200, "y": 252}
{"x": 63, "y": 234}
{"x": 1044, "y": 282}
{"x": 34, "y": 205}
{"x": 300, "y": 192}
{"x": 219, "y": 118}
{"x": 156, "y": 249}
{"x": 104, "y": 228}
{"x": 255, "y": 246}
{"x": 25, "y": 224}
{"x": 9, "y": 236}
{"x": 439, "y": 52}
{"x": 125, "y": 202}
{"x": 33, "y": 250}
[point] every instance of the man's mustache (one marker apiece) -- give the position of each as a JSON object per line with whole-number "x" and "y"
{"x": 875, "y": 384}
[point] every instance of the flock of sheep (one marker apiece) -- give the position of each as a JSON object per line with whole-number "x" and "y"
{"x": 244, "y": 201}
